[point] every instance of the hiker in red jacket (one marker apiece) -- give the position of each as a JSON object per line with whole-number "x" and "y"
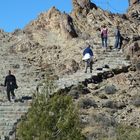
{"x": 104, "y": 36}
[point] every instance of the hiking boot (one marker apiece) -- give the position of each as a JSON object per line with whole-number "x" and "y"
{"x": 13, "y": 97}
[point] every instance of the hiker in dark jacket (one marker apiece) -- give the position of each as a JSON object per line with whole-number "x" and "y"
{"x": 87, "y": 57}
{"x": 118, "y": 38}
{"x": 88, "y": 50}
{"x": 11, "y": 85}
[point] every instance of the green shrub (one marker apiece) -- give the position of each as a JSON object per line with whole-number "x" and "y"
{"x": 128, "y": 133}
{"x": 110, "y": 89}
{"x": 51, "y": 119}
{"x": 125, "y": 133}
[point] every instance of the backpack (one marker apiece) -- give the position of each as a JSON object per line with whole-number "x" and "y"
{"x": 104, "y": 32}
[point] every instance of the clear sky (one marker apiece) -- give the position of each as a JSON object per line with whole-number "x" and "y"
{"x": 17, "y": 13}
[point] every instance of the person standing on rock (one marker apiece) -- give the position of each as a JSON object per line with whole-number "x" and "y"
{"x": 11, "y": 85}
{"x": 88, "y": 58}
{"x": 104, "y": 36}
{"x": 118, "y": 38}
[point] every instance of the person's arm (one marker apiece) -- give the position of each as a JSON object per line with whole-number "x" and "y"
{"x": 84, "y": 52}
{"x": 16, "y": 86}
{"x": 107, "y": 31}
{"x": 15, "y": 80}
{"x": 101, "y": 31}
{"x": 91, "y": 52}
{"x": 5, "y": 82}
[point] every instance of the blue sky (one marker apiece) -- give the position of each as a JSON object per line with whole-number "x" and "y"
{"x": 17, "y": 13}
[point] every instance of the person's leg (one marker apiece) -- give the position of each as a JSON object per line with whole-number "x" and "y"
{"x": 13, "y": 94}
{"x": 102, "y": 41}
{"x": 105, "y": 39}
{"x": 91, "y": 66}
{"x": 116, "y": 43}
{"x": 8, "y": 95}
{"x": 119, "y": 43}
{"x": 86, "y": 66}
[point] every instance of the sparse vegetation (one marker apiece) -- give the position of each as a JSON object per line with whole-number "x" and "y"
{"x": 128, "y": 133}
{"x": 125, "y": 133}
{"x": 51, "y": 118}
{"x": 136, "y": 101}
{"x": 110, "y": 89}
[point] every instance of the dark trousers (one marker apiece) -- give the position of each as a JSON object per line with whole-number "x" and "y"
{"x": 104, "y": 41}
{"x": 118, "y": 43}
{"x": 88, "y": 63}
{"x": 8, "y": 93}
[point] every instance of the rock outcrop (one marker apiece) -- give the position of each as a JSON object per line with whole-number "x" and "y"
{"x": 132, "y": 2}
{"x": 54, "y": 21}
{"x": 134, "y": 13}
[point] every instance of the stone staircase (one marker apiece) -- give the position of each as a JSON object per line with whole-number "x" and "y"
{"x": 10, "y": 113}
{"x": 114, "y": 59}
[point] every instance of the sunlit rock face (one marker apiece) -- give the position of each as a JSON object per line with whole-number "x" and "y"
{"x": 131, "y": 2}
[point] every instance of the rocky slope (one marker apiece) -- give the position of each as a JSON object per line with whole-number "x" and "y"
{"x": 53, "y": 35}
{"x": 56, "y": 40}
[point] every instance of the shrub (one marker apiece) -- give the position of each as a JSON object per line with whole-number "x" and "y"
{"x": 86, "y": 103}
{"x": 110, "y": 89}
{"x": 136, "y": 100}
{"x": 128, "y": 133}
{"x": 52, "y": 119}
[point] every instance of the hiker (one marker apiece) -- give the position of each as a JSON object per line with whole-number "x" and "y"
{"x": 88, "y": 58}
{"x": 10, "y": 83}
{"x": 118, "y": 38}
{"x": 104, "y": 35}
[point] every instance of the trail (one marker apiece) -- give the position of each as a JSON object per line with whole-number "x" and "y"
{"x": 11, "y": 113}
